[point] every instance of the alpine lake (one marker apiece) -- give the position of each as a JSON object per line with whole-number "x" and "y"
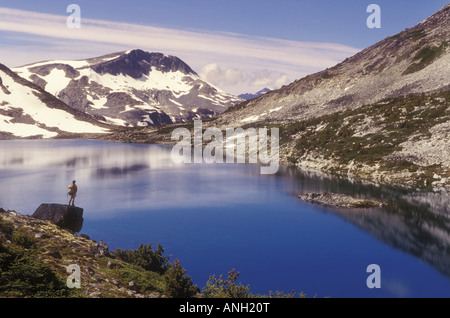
{"x": 216, "y": 217}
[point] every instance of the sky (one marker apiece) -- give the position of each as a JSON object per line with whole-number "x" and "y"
{"x": 241, "y": 46}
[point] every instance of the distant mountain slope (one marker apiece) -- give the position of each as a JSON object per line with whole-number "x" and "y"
{"x": 416, "y": 60}
{"x": 133, "y": 88}
{"x": 27, "y": 111}
{"x": 250, "y": 95}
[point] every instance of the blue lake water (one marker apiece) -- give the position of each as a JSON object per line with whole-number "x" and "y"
{"x": 214, "y": 218}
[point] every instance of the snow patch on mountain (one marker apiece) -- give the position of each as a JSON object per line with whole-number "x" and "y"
{"x": 25, "y": 113}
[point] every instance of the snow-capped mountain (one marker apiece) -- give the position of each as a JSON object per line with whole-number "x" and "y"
{"x": 27, "y": 111}
{"x": 251, "y": 96}
{"x": 132, "y": 88}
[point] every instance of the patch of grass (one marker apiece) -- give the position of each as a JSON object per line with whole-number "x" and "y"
{"x": 401, "y": 164}
{"x": 22, "y": 238}
{"x": 145, "y": 281}
{"x": 416, "y": 34}
{"x": 326, "y": 75}
{"x": 237, "y": 106}
{"x": 425, "y": 57}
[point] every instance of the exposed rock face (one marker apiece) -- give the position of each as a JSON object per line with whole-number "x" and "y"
{"x": 67, "y": 217}
{"x": 101, "y": 249}
{"x": 138, "y": 63}
{"x": 340, "y": 200}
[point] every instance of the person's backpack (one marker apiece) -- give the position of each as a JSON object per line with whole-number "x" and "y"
{"x": 71, "y": 190}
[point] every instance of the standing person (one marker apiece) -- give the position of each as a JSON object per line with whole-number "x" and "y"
{"x": 73, "y": 189}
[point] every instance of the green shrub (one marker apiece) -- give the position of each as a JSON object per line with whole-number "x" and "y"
{"x": 6, "y": 227}
{"x": 23, "y": 275}
{"x": 23, "y": 238}
{"x": 178, "y": 284}
{"x": 145, "y": 257}
{"x": 220, "y": 288}
{"x": 280, "y": 294}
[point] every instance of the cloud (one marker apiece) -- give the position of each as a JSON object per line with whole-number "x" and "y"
{"x": 252, "y": 80}
{"x": 238, "y": 62}
{"x": 218, "y": 76}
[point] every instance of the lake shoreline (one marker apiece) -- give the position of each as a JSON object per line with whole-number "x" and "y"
{"x": 426, "y": 181}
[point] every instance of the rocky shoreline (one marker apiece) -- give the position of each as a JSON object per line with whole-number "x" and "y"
{"x": 340, "y": 200}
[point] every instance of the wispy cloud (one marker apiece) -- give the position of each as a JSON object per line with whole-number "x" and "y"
{"x": 238, "y": 62}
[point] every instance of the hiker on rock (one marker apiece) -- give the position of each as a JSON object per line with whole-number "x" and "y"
{"x": 73, "y": 189}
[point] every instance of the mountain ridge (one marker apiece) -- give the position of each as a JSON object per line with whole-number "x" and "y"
{"x": 131, "y": 88}
{"x": 137, "y": 63}
{"x": 412, "y": 61}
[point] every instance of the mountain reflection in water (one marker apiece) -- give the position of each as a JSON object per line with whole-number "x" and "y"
{"x": 417, "y": 223}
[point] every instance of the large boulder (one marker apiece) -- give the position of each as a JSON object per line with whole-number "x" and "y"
{"x": 65, "y": 216}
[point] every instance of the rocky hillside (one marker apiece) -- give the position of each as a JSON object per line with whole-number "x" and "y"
{"x": 402, "y": 141}
{"x": 132, "y": 88}
{"x": 381, "y": 115}
{"x": 414, "y": 61}
{"x": 50, "y": 249}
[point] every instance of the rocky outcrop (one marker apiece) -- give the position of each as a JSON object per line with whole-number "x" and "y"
{"x": 138, "y": 63}
{"x": 102, "y": 249}
{"x": 65, "y": 216}
{"x": 340, "y": 200}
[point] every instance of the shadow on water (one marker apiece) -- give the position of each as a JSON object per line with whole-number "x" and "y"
{"x": 120, "y": 171}
{"x": 417, "y": 223}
